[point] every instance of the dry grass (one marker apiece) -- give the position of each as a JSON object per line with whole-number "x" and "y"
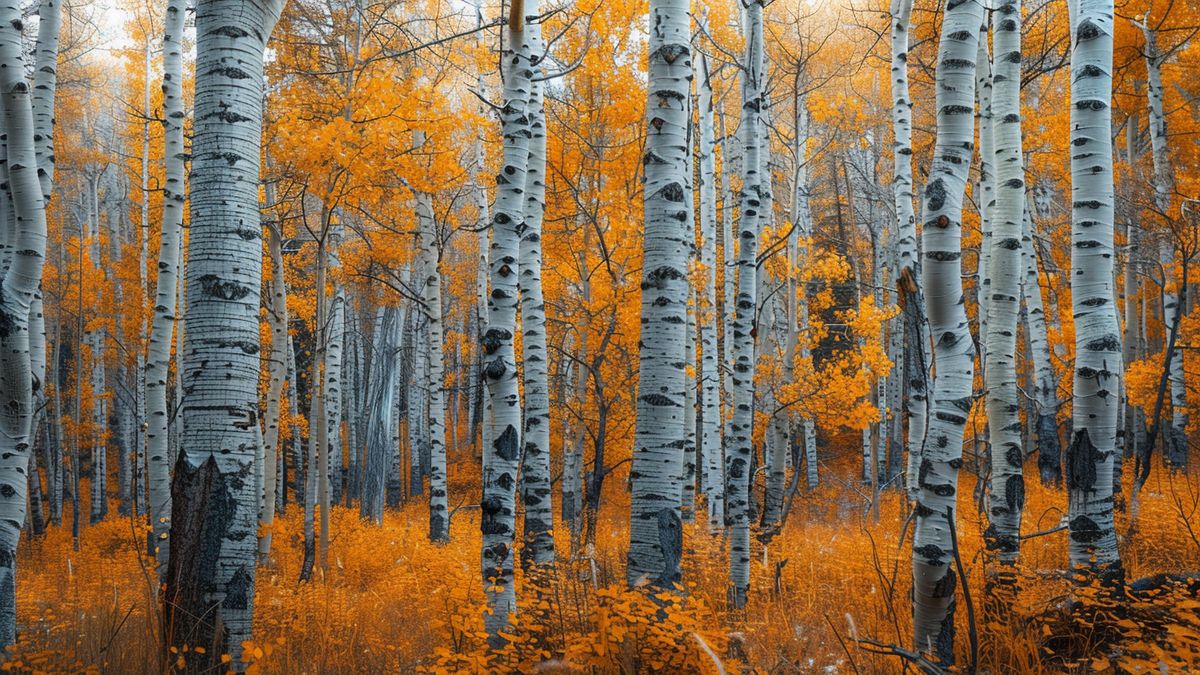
{"x": 392, "y": 602}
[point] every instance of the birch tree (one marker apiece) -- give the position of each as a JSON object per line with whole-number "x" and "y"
{"x": 738, "y": 464}
{"x": 209, "y": 596}
{"x": 431, "y": 303}
{"x": 162, "y": 328}
{"x": 1093, "y": 543}
{"x": 1164, "y": 186}
{"x": 26, "y": 239}
{"x": 937, "y": 477}
{"x": 916, "y": 361}
{"x": 536, "y": 495}
{"x": 655, "y": 532}
{"x": 498, "y": 506}
{"x": 711, "y": 457}
{"x": 1007, "y": 484}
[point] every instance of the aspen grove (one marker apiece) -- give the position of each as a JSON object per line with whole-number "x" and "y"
{"x": 599, "y": 336}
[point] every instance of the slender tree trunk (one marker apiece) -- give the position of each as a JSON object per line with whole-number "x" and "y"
{"x": 711, "y": 455}
{"x": 431, "y": 302}
{"x": 382, "y": 394}
{"x": 209, "y": 598}
{"x": 1045, "y": 383}
{"x": 937, "y": 484}
{"x": 536, "y": 494}
{"x": 277, "y": 315}
{"x": 1164, "y": 186}
{"x": 739, "y": 463}
{"x": 166, "y": 287}
{"x": 1007, "y": 485}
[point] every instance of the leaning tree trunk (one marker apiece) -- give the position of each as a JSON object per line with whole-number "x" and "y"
{"x": 711, "y": 458}
{"x": 498, "y": 506}
{"x": 738, "y": 465}
{"x": 1007, "y": 484}
{"x": 1093, "y": 542}
{"x": 536, "y": 494}
{"x": 954, "y": 352}
{"x": 26, "y": 239}
{"x": 655, "y": 535}
{"x": 163, "y": 326}
{"x": 209, "y": 597}
{"x": 1164, "y": 185}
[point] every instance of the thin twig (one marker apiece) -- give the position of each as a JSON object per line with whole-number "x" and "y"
{"x": 842, "y": 642}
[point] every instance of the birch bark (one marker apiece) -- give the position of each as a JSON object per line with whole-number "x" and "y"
{"x": 1007, "y": 484}
{"x": 209, "y": 596}
{"x": 655, "y": 537}
{"x": 1093, "y": 544}
{"x": 937, "y": 476}
{"x": 501, "y": 458}
{"x": 162, "y": 327}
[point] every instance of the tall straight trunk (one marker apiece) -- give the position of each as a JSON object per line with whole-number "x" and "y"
{"x": 933, "y": 541}
{"x": 24, "y": 128}
{"x": 98, "y": 507}
{"x": 753, "y": 196}
{"x": 380, "y": 404}
{"x": 725, "y": 317}
{"x": 162, "y": 328}
{"x": 985, "y": 196}
{"x": 916, "y": 361}
{"x": 335, "y": 322}
{"x": 209, "y": 599}
{"x": 1045, "y": 382}
{"x": 1093, "y": 542}
{"x": 501, "y": 457}
{"x": 655, "y": 536}
{"x": 1007, "y": 484}
{"x": 711, "y": 457}
{"x": 573, "y": 443}
{"x": 277, "y": 316}
{"x": 687, "y": 472}
{"x": 1164, "y": 186}
{"x": 799, "y": 324}
{"x": 431, "y": 303}
{"x": 536, "y": 495}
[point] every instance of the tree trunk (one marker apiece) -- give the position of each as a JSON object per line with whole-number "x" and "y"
{"x": 1093, "y": 543}
{"x": 1007, "y": 483}
{"x": 536, "y": 495}
{"x": 739, "y": 463}
{"x": 166, "y": 286}
{"x": 711, "y": 456}
{"x": 937, "y": 476}
{"x": 501, "y": 457}
{"x": 655, "y": 536}
{"x": 209, "y": 596}
{"x": 20, "y": 283}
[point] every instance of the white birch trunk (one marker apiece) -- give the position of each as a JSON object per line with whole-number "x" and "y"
{"x": 210, "y": 577}
{"x": 1093, "y": 543}
{"x": 916, "y": 361}
{"x": 536, "y": 495}
{"x": 26, "y": 239}
{"x": 501, "y": 457}
{"x": 431, "y": 303}
{"x": 166, "y": 290}
{"x": 753, "y": 197}
{"x": 711, "y": 456}
{"x": 1176, "y": 443}
{"x": 937, "y": 476}
{"x": 277, "y": 316}
{"x": 655, "y": 537}
{"x": 1007, "y": 484}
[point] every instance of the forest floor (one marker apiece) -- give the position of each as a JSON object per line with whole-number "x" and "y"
{"x": 831, "y": 581}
